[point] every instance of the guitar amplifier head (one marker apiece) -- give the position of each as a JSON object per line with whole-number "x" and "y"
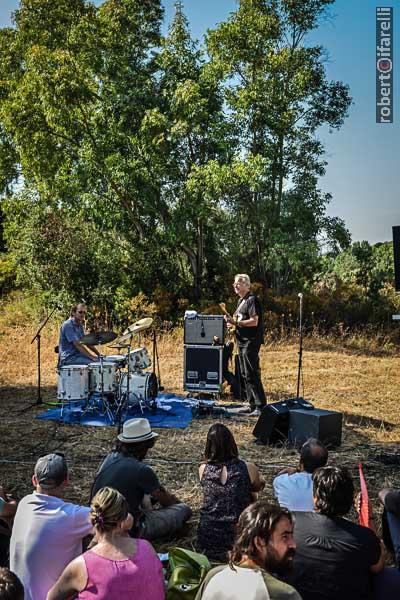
{"x": 205, "y": 330}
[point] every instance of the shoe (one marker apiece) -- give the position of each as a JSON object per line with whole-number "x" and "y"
{"x": 243, "y": 411}
{"x": 255, "y": 413}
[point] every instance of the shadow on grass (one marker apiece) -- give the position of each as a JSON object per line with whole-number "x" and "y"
{"x": 348, "y": 348}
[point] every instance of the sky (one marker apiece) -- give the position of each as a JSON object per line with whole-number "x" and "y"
{"x": 363, "y": 171}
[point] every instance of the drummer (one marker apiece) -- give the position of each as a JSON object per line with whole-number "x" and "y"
{"x": 71, "y": 350}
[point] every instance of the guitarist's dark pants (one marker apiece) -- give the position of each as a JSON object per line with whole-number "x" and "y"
{"x": 250, "y": 371}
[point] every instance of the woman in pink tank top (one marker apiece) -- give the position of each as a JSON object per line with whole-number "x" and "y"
{"x": 118, "y": 567}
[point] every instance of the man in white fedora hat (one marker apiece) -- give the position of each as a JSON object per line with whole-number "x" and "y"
{"x": 124, "y": 470}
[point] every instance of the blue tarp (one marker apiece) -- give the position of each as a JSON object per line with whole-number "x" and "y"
{"x": 178, "y": 416}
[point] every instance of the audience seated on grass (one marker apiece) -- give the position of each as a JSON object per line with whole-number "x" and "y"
{"x": 48, "y": 531}
{"x": 264, "y": 546}
{"x": 124, "y": 470}
{"x": 293, "y": 488}
{"x": 118, "y": 567}
{"x": 8, "y": 508}
{"x": 334, "y": 557}
{"x": 391, "y": 501}
{"x": 10, "y": 586}
{"x": 229, "y": 485}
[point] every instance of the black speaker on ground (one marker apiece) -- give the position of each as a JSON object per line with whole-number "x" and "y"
{"x": 295, "y": 421}
{"x": 396, "y": 256}
{"x": 272, "y": 426}
{"x": 205, "y": 330}
{"x": 202, "y": 368}
{"x": 324, "y": 425}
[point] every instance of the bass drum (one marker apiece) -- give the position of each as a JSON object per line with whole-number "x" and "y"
{"x": 143, "y": 387}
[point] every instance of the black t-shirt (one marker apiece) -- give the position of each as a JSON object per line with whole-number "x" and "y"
{"x": 248, "y": 307}
{"x": 129, "y": 476}
{"x": 333, "y": 558}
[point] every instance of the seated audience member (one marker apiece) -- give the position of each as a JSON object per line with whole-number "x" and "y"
{"x": 118, "y": 567}
{"x": 263, "y": 546}
{"x": 229, "y": 485}
{"x": 391, "y": 501}
{"x": 48, "y": 531}
{"x": 8, "y": 509}
{"x": 334, "y": 557}
{"x": 293, "y": 488}
{"x": 124, "y": 470}
{"x": 10, "y": 586}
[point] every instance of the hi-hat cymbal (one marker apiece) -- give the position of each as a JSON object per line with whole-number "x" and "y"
{"x": 98, "y": 337}
{"x": 138, "y": 326}
{"x": 119, "y": 346}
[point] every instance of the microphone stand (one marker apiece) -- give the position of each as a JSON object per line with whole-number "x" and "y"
{"x": 301, "y": 344}
{"x": 37, "y": 337}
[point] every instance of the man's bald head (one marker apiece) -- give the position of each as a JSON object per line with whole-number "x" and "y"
{"x": 313, "y": 455}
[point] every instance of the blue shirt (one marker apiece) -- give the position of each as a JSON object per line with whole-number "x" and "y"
{"x": 70, "y": 332}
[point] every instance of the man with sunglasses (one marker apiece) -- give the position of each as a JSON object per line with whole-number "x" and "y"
{"x": 249, "y": 330}
{"x": 71, "y": 350}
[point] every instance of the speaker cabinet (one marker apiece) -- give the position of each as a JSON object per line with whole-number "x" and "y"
{"x": 396, "y": 256}
{"x": 205, "y": 330}
{"x": 324, "y": 425}
{"x": 294, "y": 422}
{"x": 202, "y": 368}
{"x": 272, "y": 426}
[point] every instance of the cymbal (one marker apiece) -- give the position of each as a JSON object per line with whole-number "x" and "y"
{"x": 119, "y": 346}
{"x": 98, "y": 337}
{"x": 138, "y": 326}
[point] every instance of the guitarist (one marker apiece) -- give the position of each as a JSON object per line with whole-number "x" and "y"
{"x": 248, "y": 320}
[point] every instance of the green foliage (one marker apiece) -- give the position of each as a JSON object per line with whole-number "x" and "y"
{"x": 142, "y": 172}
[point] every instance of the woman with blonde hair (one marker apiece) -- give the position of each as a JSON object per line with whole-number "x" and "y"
{"x": 118, "y": 567}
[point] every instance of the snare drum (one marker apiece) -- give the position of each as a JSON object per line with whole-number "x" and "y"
{"x": 73, "y": 382}
{"x": 118, "y": 359}
{"x": 142, "y": 387}
{"x": 138, "y": 359}
{"x": 110, "y": 381}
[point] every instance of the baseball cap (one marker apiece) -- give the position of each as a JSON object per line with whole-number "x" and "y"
{"x": 51, "y": 470}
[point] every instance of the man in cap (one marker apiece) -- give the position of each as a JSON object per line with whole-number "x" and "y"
{"x": 48, "y": 531}
{"x": 124, "y": 470}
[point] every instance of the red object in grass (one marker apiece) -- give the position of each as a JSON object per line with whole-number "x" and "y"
{"x": 364, "y": 512}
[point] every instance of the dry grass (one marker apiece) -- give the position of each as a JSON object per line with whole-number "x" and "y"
{"x": 363, "y": 384}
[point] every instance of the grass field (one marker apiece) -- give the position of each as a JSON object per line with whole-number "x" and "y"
{"x": 359, "y": 380}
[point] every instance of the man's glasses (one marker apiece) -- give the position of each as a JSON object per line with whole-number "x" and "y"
{"x": 82, "y": 312}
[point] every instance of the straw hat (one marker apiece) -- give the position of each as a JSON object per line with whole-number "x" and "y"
{"x": 136, "y": 430}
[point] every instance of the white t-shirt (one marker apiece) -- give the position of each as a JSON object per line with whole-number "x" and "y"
{"x": 295, "y": 492}
{"x": 47, "y": 534}
{"x": 237, "y": 584}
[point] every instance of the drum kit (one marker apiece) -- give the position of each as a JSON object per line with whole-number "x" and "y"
{"x": 114, "y": 383}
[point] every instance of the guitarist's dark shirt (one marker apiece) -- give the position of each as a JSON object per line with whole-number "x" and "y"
{"x": 248, "y": 307}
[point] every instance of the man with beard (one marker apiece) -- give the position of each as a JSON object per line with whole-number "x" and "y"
{"x": 264, "y": 546}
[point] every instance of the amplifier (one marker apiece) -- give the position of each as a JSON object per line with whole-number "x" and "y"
{"x": 202, "y": 368}
{"x": 205, "y": 330}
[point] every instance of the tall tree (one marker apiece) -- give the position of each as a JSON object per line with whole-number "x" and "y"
{"x": 278, "y": 96}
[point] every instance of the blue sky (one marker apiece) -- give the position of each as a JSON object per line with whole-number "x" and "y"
{"x": 363, "y": 172}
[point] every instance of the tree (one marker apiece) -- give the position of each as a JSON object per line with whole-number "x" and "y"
{"x": 278, "y": 96}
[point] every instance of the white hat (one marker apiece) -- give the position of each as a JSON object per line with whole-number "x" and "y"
{"x": 136, "y": 430}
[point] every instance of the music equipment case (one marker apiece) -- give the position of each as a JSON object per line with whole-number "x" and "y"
{"x": 202, "y": 368}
